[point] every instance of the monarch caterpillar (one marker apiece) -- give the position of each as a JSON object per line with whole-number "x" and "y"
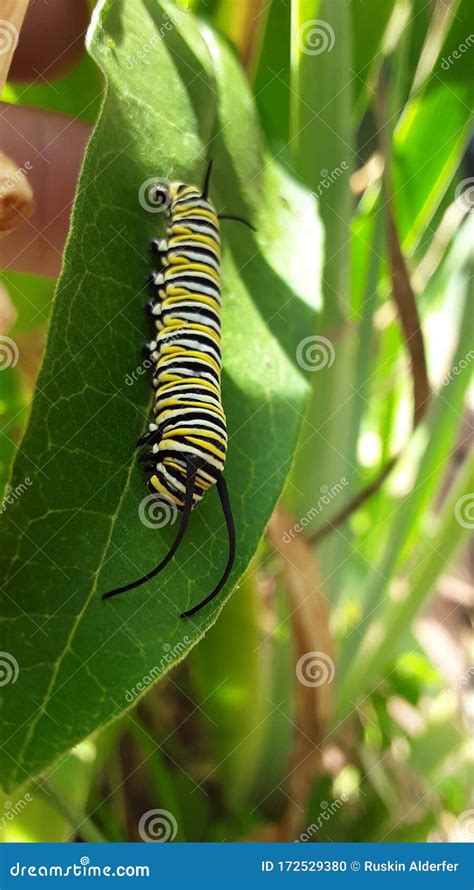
{"x": 187, "y": 442}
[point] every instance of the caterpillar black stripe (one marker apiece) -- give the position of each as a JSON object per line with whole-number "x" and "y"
{"x": 186, "y": 445}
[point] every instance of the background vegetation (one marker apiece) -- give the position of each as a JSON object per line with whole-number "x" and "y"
{"x": 329, "y": 700}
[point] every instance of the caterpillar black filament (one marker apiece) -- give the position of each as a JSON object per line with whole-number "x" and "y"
{"x": 186, "y": 444}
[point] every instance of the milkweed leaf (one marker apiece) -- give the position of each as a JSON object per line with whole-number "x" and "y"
{"x": 175, "y": 97}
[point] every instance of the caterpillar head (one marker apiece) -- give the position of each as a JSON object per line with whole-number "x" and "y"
{"x": 161, "y": 195}
{"x": 165, "y": 194}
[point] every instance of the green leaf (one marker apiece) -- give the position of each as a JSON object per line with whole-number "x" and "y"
{"x": 321, "y": 133}
{"x": 369, "y": 23}
{"x": 77, "y": 533}
{"x": 272, "y": 76}
{"x": 423, "y": 168}
{"x": 323, "y": 149}
{"x": 425, "y": 154}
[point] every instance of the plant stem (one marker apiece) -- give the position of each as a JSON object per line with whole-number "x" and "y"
{"x": 78, "y": 821}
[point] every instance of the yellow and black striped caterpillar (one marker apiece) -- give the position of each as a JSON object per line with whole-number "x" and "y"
{"x": 186, "y": 444}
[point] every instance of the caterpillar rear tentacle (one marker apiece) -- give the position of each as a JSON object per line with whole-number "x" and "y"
{"x": 224, "y": 496}
{"x": 188, "y": 501}
{"x": 186, "y": 445}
